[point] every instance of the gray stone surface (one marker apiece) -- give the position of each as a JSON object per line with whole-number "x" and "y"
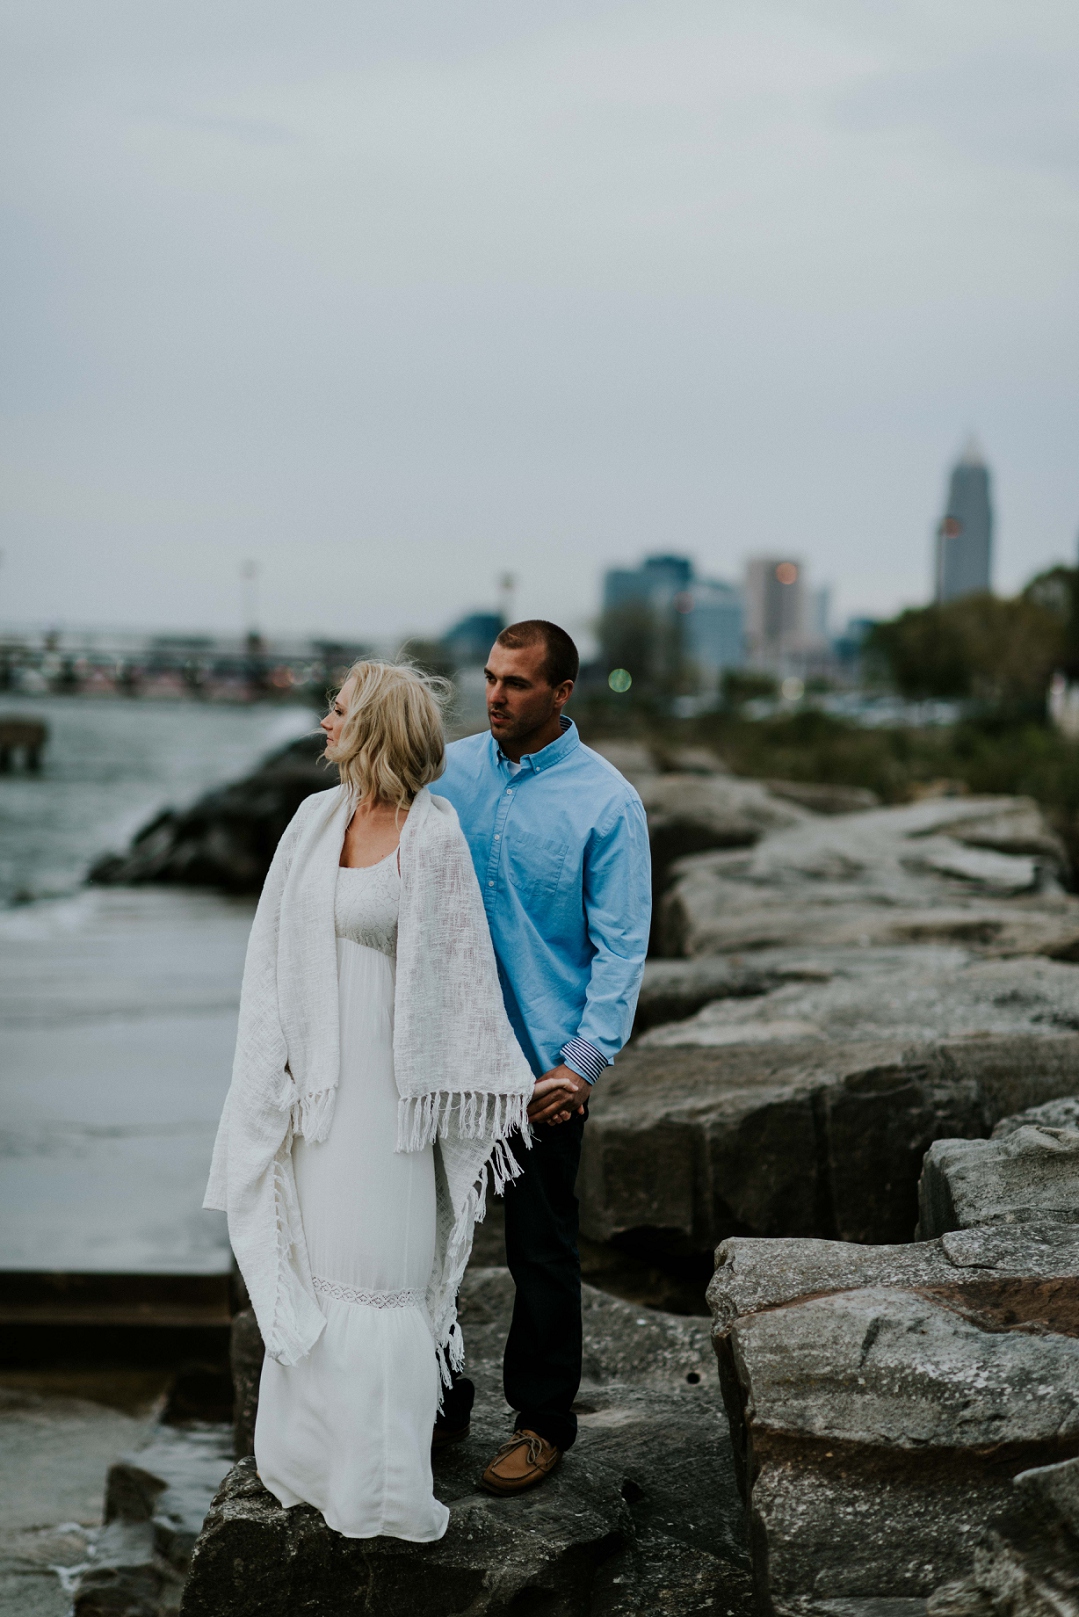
{"x": 1030, "y": 1173}
{"x": 1027, "y": 1562}
{"x": 1054, "y": 1114}
{"x": 156, "y": 1500}
{"x": 642, "y": 1516}
{"x": 882, "y": 1399}
{"x": 246, "y": 1353}
{"x": 687, "y": 1145}
{"x": 1000, "y": 1275}
{"x": 890, "y": 876}
{"x": 675, "y": 989}
{"x": 916, "y": 994}
{"x": 823, "y": 798}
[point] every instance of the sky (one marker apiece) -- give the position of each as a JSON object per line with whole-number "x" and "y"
{"x": 392, "y": 297}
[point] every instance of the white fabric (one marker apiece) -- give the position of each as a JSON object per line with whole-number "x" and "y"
{"x": 348, "y": 1428}
{"x": 460, "y": 1075}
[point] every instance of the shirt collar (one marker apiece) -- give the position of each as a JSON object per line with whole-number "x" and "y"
{"x": 553, "y": 753}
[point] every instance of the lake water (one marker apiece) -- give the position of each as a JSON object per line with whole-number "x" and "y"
{"x": 108, "y": 767}
{"x": 117, "y": 1006}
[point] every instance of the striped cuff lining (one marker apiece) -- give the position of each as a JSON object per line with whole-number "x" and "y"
{"x": 585, "y": 1060}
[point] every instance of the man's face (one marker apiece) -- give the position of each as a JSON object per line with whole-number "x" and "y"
{"x": 519, "y": 699}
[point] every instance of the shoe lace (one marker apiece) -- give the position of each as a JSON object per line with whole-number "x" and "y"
{"x": 535, "y": 1446}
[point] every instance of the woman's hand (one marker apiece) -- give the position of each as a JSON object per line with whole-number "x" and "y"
{"x": 557, "y": 1095}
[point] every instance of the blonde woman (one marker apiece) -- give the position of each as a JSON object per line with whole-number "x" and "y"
{"x": 376, "y": 1084}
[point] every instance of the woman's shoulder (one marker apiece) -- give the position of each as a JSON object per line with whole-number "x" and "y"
{"x": 436, "y": 822}
{"x": 310, "y": 810}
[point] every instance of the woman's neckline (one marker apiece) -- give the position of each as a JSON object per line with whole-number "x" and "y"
{"x": 391, "y": 855}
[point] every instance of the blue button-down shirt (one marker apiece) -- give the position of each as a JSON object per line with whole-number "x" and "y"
{"x": 560, "y": 848}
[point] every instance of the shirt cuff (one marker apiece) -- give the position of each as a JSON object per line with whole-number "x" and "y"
{"x": 584, "y": 1059}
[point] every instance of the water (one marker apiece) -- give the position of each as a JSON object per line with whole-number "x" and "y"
{"x": 117, "y": 1005}
{"x": 109, "y": 766}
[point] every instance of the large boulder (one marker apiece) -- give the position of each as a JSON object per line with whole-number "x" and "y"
{"x": 1029, "y": 1173}
{"x": 980, "y": 872}
{"x": 918, "y": 995}
{"x": 807, "y": 1110}
{"x": 226, "y": 839}
{"x": 883, "y": 1399}
{"x": 643, "y": 1515}
{"x": 675, "y": 989}
{"x": 1026, "y": 1564}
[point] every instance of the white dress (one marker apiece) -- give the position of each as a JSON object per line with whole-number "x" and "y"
{"x": 348, "y": 1428}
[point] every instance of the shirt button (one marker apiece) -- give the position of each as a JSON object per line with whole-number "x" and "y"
{"x": 490, "y": 884}
{"x": 497, "y": 835}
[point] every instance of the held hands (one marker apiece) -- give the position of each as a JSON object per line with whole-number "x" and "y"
{"x": 557, "y": 1095}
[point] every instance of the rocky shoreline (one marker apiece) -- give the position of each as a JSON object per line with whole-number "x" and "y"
{"x": 854, "y": 1082}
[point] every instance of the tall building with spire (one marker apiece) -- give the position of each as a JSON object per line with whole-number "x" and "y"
{"x": 964, "y": 553}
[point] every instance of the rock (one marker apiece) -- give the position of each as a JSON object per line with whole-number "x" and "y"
{"x": 246, "y": 1353}
{"x": 873, "y": 1465}
{"x": 824, "y": 799}
{"x": 1019, "y": 828}
{"x": 1027, "y": 1562}
{"x": 917, "y": 995}
{"x": 689, "y": 813}
{"x": 1030, "y": 1173}
{"x": 883, "y": 1397}
{"x": 674, "y": 989}
{"x": 228, "y": 837}
{"x": 156, "y": 1500}
{"x": 642, "y": 1515}
{"x": 880, "y": 878}
{"x": 1054, "y": 1114}
{"x": 1000, "y": 1276}
{"x": 127, "y": 1578}
{"x": 789, "y": 1133}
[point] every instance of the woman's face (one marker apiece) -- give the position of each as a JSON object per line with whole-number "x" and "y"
{"x": 335, "y": 718}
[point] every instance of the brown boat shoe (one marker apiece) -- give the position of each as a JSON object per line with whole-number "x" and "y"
{"x": 523, "y": 1461}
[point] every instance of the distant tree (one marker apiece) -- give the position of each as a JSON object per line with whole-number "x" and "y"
{"x": 1058, "y": 592}
{"x": 740, "y": 685}
{"x": 1001, "y": 652}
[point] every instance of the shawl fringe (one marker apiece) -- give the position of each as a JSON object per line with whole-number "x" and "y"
{"x": 313, "y": 1114}
{"x": 496, "y": 1173}
{"x": 471, "y": 1114}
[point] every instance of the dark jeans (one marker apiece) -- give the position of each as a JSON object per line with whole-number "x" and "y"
{"x": 542, "y": 1365}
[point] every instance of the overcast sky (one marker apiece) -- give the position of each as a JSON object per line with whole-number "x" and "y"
{"x": 392, "y": 295}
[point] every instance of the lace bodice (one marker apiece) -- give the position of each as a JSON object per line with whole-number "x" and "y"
{"x": 366, "y": 902}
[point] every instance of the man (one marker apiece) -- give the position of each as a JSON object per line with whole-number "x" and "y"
{"x": 560, "y": 845}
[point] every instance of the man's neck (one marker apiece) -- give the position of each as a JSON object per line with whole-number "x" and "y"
{"x": 535, "y": 741}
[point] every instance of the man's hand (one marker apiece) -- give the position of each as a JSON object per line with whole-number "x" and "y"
{"x": 557, "y": 1095}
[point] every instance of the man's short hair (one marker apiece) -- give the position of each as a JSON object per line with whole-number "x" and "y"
{"x": 561, "y": 661}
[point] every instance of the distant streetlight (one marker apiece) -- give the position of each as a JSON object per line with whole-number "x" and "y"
{"x": 620, "y": 679}
{"x": 507, "y": 589}
{"x": 249, "y": 584}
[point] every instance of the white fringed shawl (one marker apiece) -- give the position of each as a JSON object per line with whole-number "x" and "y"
{"x": 462, "y": 1078}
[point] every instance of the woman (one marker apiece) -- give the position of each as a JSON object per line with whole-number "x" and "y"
{"x": 375, "y": 1086}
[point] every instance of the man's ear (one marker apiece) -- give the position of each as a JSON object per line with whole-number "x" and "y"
{"x": 563, "y": 692}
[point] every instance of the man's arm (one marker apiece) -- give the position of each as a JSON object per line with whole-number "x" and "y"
{"x": 618, "y": 911}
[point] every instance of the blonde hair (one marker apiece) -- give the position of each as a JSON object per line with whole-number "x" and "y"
{"x": 392, "y": 741}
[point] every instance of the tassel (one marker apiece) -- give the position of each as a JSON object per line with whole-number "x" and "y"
{"x": 422, "y": 1119}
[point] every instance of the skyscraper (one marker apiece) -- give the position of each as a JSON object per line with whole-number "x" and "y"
{"x": 698, "y": 621}
{"x": 965, "y": 532}
{"x": 775, "y": 609}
